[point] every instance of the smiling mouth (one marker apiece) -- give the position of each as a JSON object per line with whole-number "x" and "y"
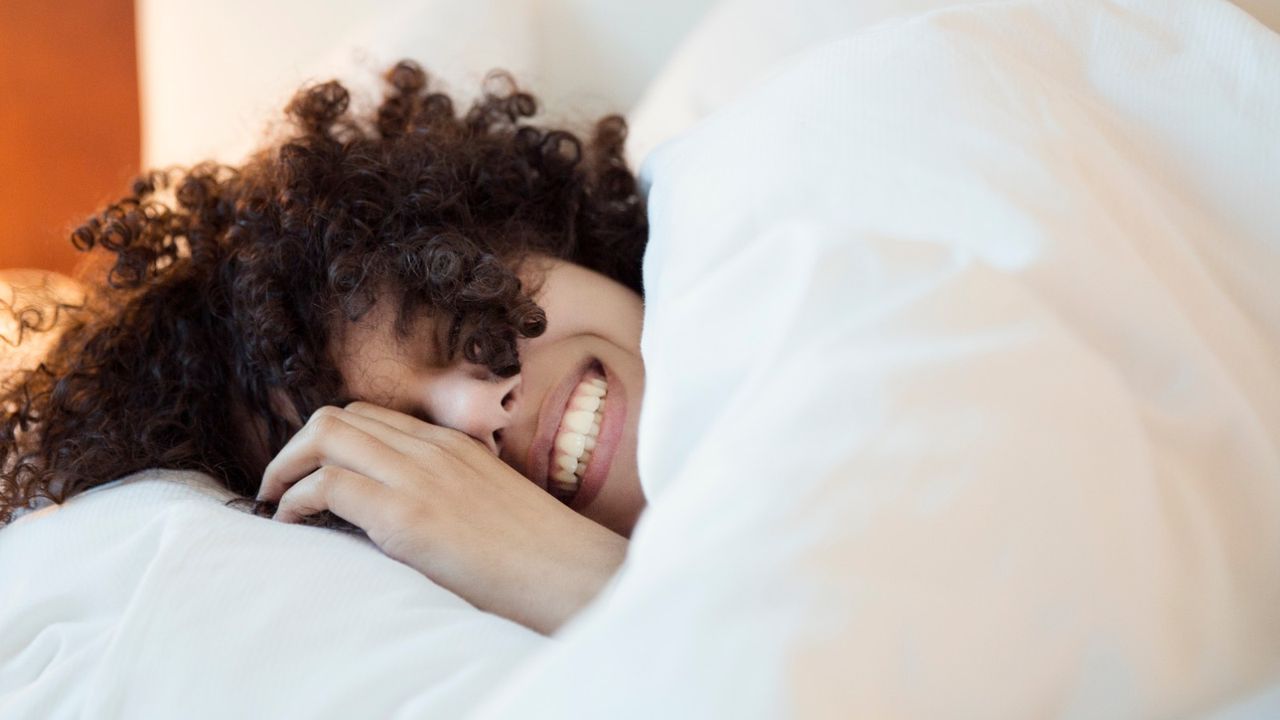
{"x": 575, "y": 438}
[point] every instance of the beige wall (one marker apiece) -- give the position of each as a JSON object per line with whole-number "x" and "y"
{"x": 213, "y": 74}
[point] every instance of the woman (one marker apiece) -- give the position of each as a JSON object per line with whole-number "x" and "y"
{"x": 423, "y": 324}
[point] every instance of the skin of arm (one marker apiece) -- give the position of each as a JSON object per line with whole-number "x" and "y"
{"x": 440, "y": 502}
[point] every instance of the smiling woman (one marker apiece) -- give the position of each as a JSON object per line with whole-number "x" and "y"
{"x": 415, "y": 312}
{"x": 563, "y": 421}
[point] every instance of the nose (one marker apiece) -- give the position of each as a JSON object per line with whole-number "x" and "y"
{"x": 471, "y": 399}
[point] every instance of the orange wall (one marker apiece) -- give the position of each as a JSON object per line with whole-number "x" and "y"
{"x": 69, "y": 134}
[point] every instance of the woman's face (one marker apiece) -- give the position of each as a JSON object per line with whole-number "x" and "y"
{"x": 567, "y": 421}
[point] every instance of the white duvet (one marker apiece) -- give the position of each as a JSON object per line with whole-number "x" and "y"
{"x": 963, "y": 400}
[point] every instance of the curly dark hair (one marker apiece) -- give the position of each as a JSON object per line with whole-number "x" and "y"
{"x": 228, "y": 283}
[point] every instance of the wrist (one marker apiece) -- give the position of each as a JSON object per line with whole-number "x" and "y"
{"x": 579, "y": 579}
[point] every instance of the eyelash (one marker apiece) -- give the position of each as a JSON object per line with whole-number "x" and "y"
{"x": 449, "y": 349}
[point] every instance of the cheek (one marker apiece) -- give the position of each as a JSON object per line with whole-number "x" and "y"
{"x": 582, "y": 303}
{"x": 609, "y": 315}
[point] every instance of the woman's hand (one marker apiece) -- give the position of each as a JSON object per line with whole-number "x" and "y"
{"x": 439, "y": 501}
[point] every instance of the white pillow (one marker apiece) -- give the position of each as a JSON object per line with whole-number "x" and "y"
{"x": 149, "y": 598}
{"x": 962, "y": 393}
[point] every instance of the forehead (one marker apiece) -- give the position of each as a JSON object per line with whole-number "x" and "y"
{"x": 380, "y": 346}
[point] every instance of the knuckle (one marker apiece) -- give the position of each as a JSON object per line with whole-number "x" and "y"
{"x": 356, "y": 406}
{"x": 325, "y": 412}
{"x": 326, "y": 420}
{"x": 326, "y": 477}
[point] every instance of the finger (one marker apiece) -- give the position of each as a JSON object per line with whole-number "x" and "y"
{"x": 328, "y": 439}
{"x": 406, "y": 424}
{"x": 433, "y": 445}
{"x": 395, "y": 437}
{"x": 351, "y": 496}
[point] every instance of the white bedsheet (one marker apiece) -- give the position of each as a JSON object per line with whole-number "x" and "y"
{"x": 963, "y": 400}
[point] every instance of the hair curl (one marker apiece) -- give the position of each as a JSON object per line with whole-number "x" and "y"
{"x": 228, "y": 282}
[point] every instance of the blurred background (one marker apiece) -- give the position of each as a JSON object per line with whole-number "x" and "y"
{"x": 95, "y": 90}
{"x": 70, "y": 136}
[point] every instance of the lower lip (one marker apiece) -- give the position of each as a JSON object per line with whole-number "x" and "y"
{"x": 615, "y": 416}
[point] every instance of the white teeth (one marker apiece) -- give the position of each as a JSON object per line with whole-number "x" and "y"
{"x": 590, "y": 403}
{"x": 570, "y": 443}
{"x": 578, "y": 421}
{"x": 576, "y": 438}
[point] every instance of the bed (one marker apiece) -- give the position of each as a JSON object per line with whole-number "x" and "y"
{"x": 962, "y": 399}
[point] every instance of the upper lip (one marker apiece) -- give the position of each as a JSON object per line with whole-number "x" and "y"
{"x": 549, "y": 418}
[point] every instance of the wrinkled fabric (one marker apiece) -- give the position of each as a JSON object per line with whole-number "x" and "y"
{"x": 963, "y": 383}
{"x": 148, "y": 598}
